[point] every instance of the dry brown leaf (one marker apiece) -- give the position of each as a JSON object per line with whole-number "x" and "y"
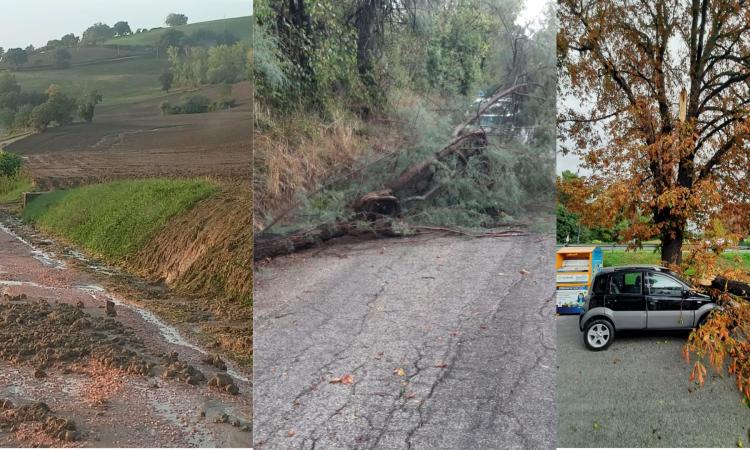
{"x": 411, "y": 394}
{"x": 524, "y": 272}
{"x": 290, "y": 433}
{"x": 399, "y": 372}
{"x": 441, "y": 365}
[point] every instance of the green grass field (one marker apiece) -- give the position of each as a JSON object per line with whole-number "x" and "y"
{"x": 240, "y": 27}
{"x": 119, "y": 82}
{"x": 114, "y": 220}
{"x": 621, "y": 257}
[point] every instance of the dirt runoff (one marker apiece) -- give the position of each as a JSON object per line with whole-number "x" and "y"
{"x": 127, "y": 141}
{"x": 82, "y": 367}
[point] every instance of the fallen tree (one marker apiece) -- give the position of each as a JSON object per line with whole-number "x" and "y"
{"x": 374, "y": 212}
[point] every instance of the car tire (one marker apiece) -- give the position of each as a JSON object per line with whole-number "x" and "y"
{"x": 598, "y": 334}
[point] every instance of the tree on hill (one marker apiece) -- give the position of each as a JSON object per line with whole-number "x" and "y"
{"x": 87, "y": 103}
{"x": 54, "y": 43}
{"x": 2, "y": 53}
{"x": 121, "y": 28}
{"x": 16, "y": 56}
{"x": 62, "y": 58}
{"x": 97, "y": 33}
{"x": 29, "y": 48}
{"x": 70, "y": 40}
{"x": 679, "y": 165}
{"x": 175, "y": 19}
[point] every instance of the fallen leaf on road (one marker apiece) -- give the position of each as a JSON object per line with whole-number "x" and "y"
{"x": 290, "y": 433}
{"x": 411, "y": 394}
{"x": 379, "y": 355}
{"x": 441, "y": 365}
{"x": 399, "y": 372}
{"x": 455, "y": 333}
{"x": 524, "y": 272}
{"x": 346, "y": 379}
{"x": 482, "y": 327}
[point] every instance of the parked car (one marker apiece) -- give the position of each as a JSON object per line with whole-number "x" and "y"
{"x": 639, "y": 298}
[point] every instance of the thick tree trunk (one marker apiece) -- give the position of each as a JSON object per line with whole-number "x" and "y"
{"x": 368, "y": 25}
{"x": 671, "y": 245}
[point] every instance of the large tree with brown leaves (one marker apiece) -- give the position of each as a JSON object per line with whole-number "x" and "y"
{"x": 622, "y": 67}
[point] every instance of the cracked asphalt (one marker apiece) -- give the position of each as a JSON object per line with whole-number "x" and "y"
{"x": 447, "y": 343}
{"x": 637, "y": 393}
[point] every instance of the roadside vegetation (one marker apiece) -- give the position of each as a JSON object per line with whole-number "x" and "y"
{"x": 114, "y": 220}
{"x": 350, "y": 95}
{"x": 13, "y": 179}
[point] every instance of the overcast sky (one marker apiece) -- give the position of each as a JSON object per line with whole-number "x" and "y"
{"x": 24, "y": 22}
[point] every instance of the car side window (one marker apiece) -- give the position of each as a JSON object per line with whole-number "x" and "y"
{"x": 659, "y": 284}
{"x": 600, "y": 284}
{"x": 625, "y": 283}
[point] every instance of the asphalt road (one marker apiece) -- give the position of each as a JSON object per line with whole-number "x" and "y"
{"x": 637, "y": 393}
{"x": 473, "y": 335}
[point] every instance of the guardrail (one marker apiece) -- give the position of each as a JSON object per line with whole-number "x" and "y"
{"x": 610, "y": 246}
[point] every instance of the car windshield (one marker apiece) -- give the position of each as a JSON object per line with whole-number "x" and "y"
{"x": 680, "y": 279}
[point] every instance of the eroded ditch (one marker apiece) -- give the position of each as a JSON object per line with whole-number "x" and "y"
{"x": 82, "y": 367}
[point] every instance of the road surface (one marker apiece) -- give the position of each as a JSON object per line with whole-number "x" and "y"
{"x": 637, "y": 393}
{"x": 58, "y": 347}
{"x": 424, "y": 343}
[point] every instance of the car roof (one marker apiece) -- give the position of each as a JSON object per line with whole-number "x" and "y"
{"x": 655, "y": 268}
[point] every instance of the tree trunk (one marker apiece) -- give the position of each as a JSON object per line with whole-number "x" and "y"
{"x": 368, "y": 25}
{"x": 671, "y": 244}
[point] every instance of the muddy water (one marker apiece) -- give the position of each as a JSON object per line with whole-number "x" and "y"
{"x": 111, "y": 407}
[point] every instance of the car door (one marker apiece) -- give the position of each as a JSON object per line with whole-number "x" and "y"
{"x": 666, "y": 306}
{"x": 626, "y": 300}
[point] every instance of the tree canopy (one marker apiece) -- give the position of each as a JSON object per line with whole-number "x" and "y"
{"x": 175, "y": 19}
{"x": 625, "y": 64}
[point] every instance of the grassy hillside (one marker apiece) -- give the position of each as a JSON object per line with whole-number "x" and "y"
{"x": 115, "y": 220}
{"x": 238, "y": 26}
{"x": 45, "y": 60}
{"x": 123, "y": 81}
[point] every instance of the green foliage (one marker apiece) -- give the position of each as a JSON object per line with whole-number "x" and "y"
{"x": 171, "y": 38}
{"x": 165, "y": 79}
{"x": 122, "y": 28}
{"x": 97, "y": 33}
{"x": 70, "y": 40}
{"x": 11, "y": 187}
{"x": 175, "y": 19}
{"x": 87, "y": 103}
{"x": 10, "y": 164}
{"x": 16, "y": 56}
{"x": 220, "y": 64}
{"x": 226, "y": 63}
{"x": 116, "y": 219}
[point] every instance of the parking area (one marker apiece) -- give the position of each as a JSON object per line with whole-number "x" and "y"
{"x": 637, "y": 393}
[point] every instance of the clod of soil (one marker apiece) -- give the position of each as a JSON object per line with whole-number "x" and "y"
{"x": 214, "y": 360}
{"x": 184, "y": 372}
{"x": 224, "y": 382}
{"x": 43, "y": 335}
{"x": 40, "y": 416}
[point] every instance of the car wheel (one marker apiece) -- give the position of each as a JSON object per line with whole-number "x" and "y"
{"x": 598, "y": 334}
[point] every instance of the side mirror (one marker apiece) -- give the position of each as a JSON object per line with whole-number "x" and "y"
{"x": 686, "y": 293}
